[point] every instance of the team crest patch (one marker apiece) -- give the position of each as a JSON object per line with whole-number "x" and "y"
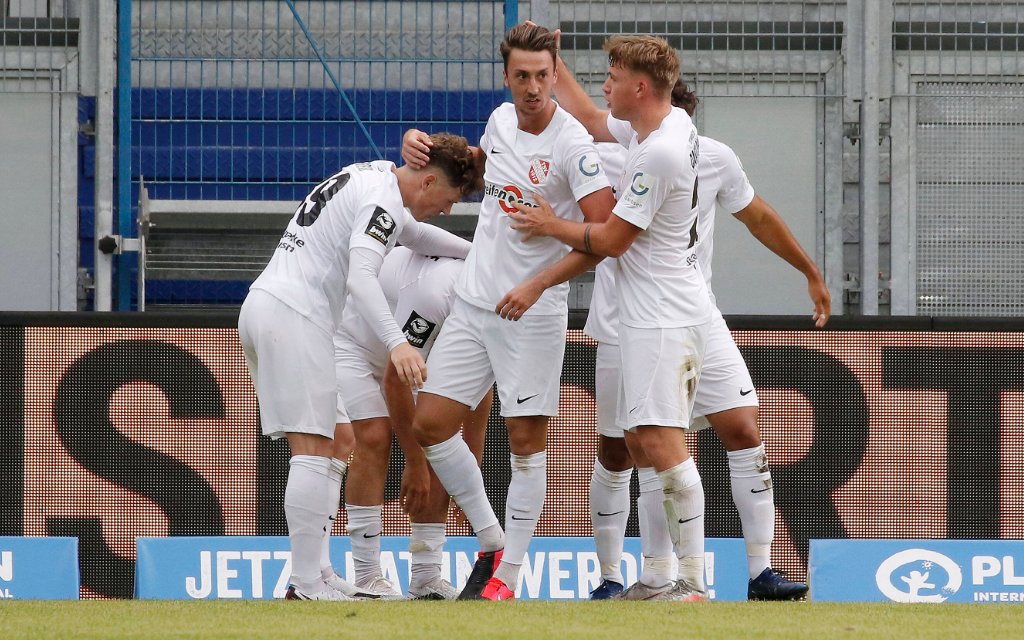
{"x": 381, "y": 226}
{"x": 539, "y": 171}
{"x": 418, "y": 330}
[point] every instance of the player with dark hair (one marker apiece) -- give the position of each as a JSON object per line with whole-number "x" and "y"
{"x": 333, "y": 247}
{"x": 534, "y": 150}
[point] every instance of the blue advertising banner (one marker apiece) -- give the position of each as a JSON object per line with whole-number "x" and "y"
{"x": 917, "y": 570}
{"x": 556, "y": 568}
{"x": 38, "y": 568}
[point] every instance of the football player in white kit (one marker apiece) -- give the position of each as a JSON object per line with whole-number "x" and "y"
{"x": 534, "y": 150}
{"x": 420, "y": 292}
{"x": 332, "y": 247}
{"x": 665, "y": 312}
{"x": 725, "y": 398}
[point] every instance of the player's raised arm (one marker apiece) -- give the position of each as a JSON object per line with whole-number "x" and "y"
{"x": 765, "y": 224}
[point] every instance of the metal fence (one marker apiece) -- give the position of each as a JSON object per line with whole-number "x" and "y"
{"x": 258, "y": 99}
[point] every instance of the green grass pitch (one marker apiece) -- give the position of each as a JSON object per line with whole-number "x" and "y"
{"x": 526, "y": 620}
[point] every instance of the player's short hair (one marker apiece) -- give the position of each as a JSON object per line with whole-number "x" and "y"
{"x": 649, "y": 55}
{"x": 451, "y": 154}
{"x": 528, "y": 37}
{"x": 683, "y": 98}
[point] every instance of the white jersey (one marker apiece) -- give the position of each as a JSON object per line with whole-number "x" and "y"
{"x": 360, "y": 206}
{"x": 603, "y": 317}
{"x": 658, "y": 280}
{"x": 563, "y": 166}
{"x": 721, "y": 185}
{"x": 420, "y": 292}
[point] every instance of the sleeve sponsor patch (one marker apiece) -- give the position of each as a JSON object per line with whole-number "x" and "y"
{"x": 639, "y": 189}
{"x": 589, "y": 165}
{"x": 381, "y": 226}
{"x": 418, "y": 330}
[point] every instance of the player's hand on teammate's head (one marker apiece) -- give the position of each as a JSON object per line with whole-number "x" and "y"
{"x": 556, "y": 32}
{"x": 532, "y": 220}
{"x": 409, "y": 364}
{"x": 416, "y": 148}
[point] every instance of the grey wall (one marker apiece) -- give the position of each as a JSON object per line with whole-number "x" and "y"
{"x": 26, "y": 179}
{"x": 775, "y": 140}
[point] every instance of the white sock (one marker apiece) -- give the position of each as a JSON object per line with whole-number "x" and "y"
{"x": 522, "y": 509}
{"x": 457, "y": 470}
{"x": 684, "y": 506}
{"x": 609, "y": 511}
{"x": 655, "y": 541}
{"x": 364, "y": 524}
{"x": 426, "y": 551}
{"x": 755, "y": 501}
{"x": 335, "y": 476}
{"x": 305, "y": 510}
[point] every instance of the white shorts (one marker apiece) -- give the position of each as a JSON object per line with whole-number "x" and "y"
{"x": 477, "y": 347}
{"x": 608, "y": 391}
{"x": 725, "y": 381}
{"x": 291, "y": 362}
{"x": 359, "y": 371}
{"x": 660, "y": 372}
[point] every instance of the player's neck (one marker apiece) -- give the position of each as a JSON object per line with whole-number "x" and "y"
{"x": 647, "y": 120}
{"x": 536, "y": 124}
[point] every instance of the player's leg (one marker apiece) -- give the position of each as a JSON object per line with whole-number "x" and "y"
{"x": 426, "y": 542}
{"x": 609, "y": 482}
{"x": 359, "y": 369}
{"x": 341, "y": 450}
{"x": 364, "y": 499}
{"x": 655, "y": 540}
{"x": 660, "y": 373}
{"x": 526, "y": 357}
{"x": 527, "y": 436}
{"x": 459, "y": 377}
{"x": 290, "y": 361}
{"x": 727, "y": 400}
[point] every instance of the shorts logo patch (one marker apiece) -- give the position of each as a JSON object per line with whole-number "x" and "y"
{"x": 418, "y": 330}
{"x": 381, "y": 226}
{"x": 539, "y": 171}
{"x": 588, "y": 167}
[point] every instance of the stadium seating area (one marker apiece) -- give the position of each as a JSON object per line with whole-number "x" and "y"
{"x": 241, "y": 144}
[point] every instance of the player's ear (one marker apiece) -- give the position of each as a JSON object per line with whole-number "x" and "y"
{"x": 504, "y": 76}
{"x": 428, "y": 179}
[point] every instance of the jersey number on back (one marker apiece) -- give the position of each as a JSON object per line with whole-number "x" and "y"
{"x": 310, "y": 208}
{"x": 693, "y": 229}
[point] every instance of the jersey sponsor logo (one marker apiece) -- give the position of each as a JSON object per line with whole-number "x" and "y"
{"x": 588, "y": 167}
{"x": 506, "y": 196}
{"x": 639, "y": 188}
{"x": 381, "y": 226}
{"x": 418, "y": 330}
{"x": 539, "y": 171}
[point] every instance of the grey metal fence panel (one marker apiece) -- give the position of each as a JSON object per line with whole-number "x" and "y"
{"x": 958, "y": 122}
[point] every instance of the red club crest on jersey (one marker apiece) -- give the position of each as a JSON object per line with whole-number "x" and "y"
{"x": 539, "y": 171}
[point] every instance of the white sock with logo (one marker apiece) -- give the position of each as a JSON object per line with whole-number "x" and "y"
{"x": 609, "y": 511}
{"x": 426, "y": 553}
{"x": 755, "y": 501}
{"x": 456, "y": 468}
{"x": 684, "y": 506}
{"x": 655, "y": 541}
{"x": 364, "y": 525}
{"x": 522, "y": 509}
{"x": 305, "y": 510}
{"x": 335, "y": 476}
